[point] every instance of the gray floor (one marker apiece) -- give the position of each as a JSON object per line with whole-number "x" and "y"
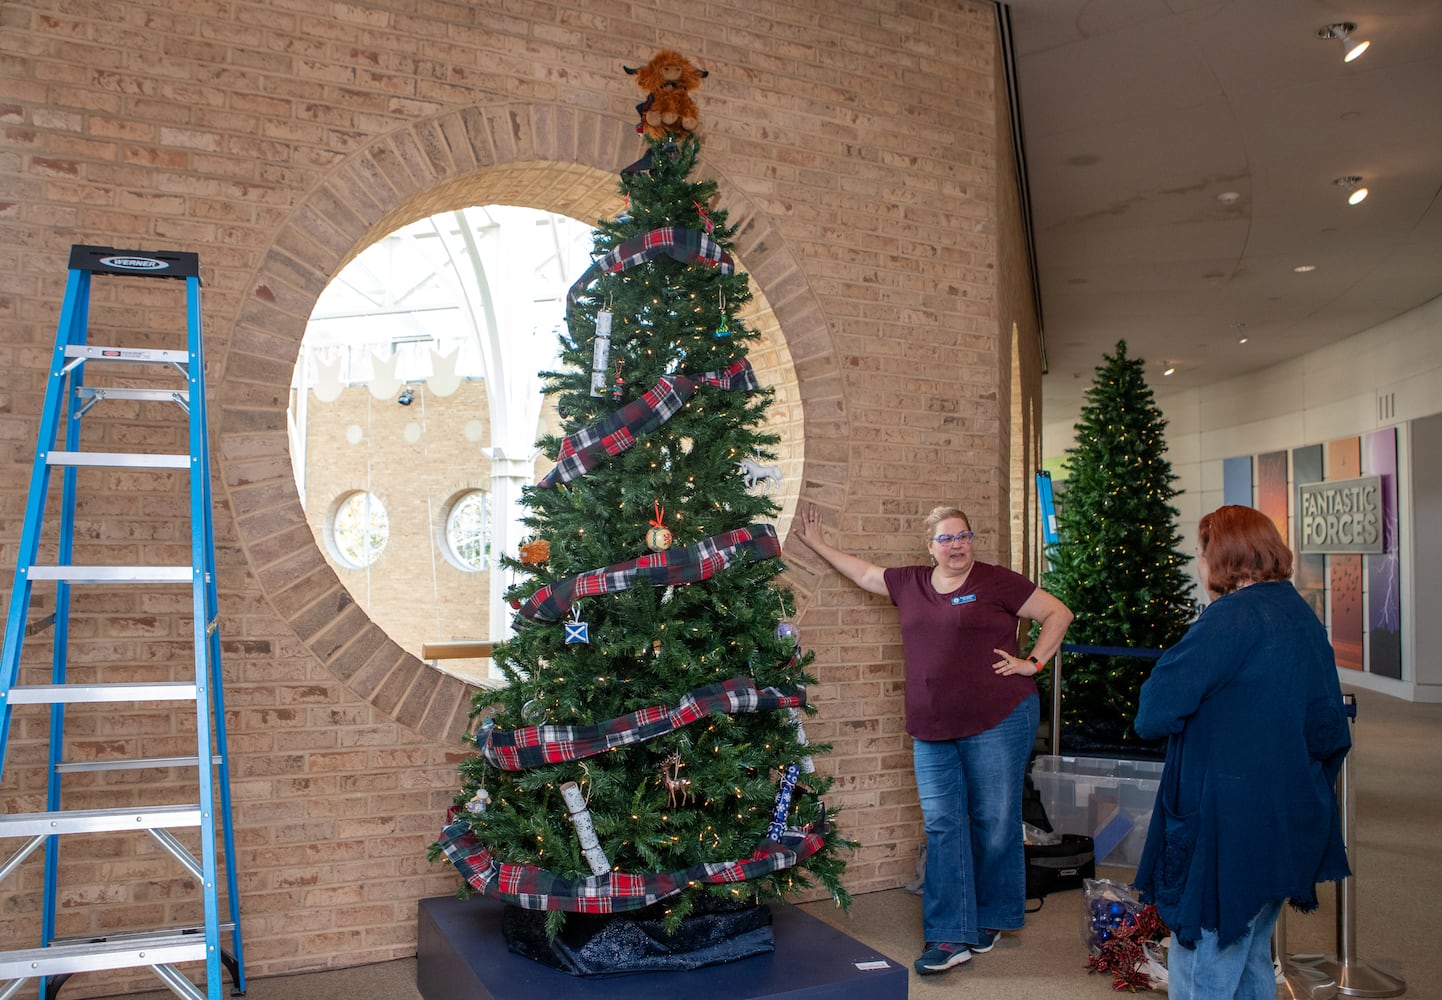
{"x": 1397, "y": 780}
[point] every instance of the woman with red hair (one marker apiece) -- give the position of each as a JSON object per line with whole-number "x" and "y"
{"x": 1246, "y": 816}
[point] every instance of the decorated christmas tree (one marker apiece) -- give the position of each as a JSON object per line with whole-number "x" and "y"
{"x": 647, "y": 753}
{"x": 1117, "y": 563}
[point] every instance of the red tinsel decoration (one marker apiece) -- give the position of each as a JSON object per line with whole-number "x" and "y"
{"x": 1122, "y": 955}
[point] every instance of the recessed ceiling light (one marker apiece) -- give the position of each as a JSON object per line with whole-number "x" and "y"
{"x": 1171, "y": 370}
{"x": 1304, "y": 268}
{"x": 1228, "y": 197}
{"x": 1352, "y": 184}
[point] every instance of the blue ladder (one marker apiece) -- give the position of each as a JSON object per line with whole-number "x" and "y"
{"x": 160, "y": 950}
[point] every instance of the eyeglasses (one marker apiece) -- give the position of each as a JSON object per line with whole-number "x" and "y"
{"x": 960, "y": 536}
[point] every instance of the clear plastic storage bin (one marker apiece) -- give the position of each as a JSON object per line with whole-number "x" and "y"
{"x": 1109, "y": 798}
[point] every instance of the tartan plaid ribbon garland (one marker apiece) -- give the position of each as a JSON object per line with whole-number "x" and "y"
{"x": 533, "y": 746}
{"x": 537, "y": 746}
{"x": 689, "y": 246}
{"x": 589, "y": 447}
{"x": 688, "y": 565}
{"x": 615, "y": 892}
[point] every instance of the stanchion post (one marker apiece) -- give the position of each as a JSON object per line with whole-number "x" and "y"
{"x": 1355, "y": 978}
{"x": 1297, "y": 982}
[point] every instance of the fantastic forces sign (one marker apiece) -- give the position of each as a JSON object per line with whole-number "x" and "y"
{"x": 1344, "y": 515}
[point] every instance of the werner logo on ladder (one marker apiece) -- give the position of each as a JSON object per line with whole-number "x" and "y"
{"x": 77, "y": 384}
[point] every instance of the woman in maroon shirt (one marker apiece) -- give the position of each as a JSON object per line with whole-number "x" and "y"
{"x": 971, "y": 711}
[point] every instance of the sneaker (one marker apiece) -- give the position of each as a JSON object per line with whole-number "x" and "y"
{"x": 942, "y": 956}
{"x": 986, "y": 940}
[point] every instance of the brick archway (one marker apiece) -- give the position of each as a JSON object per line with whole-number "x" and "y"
{"x": 541, "y": 156}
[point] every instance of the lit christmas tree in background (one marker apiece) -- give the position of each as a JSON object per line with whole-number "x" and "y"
{"x": 1118, "y": 563}
{"x": 647, "y": 753}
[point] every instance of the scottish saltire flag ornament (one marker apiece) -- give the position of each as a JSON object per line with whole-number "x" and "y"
{"x": 577, "y": 630}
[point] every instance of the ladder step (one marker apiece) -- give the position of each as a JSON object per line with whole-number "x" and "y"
{"x": 119, "y": 937}
{"x": 144, "y": 395}
{"x": 142, "y": 354}
{"x": 117, "y": 459}
{"x": 133, "y": 951}
{"x": 72, "y": 694}
{"x": 113, "y": 574}
{"x": 98, "y": 820}
{"x": 130, "y": 763}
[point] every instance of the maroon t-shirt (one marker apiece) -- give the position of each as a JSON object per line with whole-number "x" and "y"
{"x": 947, "y": 640}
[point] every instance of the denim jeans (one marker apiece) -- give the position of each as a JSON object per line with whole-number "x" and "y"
{"x": 970, "y": 793}
{"x": 1241, "y": 971}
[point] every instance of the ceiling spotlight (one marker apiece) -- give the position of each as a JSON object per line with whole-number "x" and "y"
{"x": 406, "y": 398}
{"x": 1171, "y": 370}
{"x": 1351, "y": 183}
{"x": 1351, "y": 47}
{"x": 1304, "y": 268}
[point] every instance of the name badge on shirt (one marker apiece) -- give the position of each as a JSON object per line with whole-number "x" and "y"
{"x": 963, "y": 599}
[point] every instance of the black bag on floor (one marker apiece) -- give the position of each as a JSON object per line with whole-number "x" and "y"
{"x": 1058, "y": 867}
{"x": 1053, "y": 867}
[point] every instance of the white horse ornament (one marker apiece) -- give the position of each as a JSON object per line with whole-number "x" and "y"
{"x": 753, "y": 472}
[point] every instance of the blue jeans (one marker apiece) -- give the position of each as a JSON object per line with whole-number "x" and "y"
{"x": 970, "y": 793}
{"x": 1241, "y": 971}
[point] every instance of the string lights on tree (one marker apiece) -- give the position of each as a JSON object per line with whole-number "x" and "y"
{"x": 677, "y": 702}
{"x": 1118, "y": 563}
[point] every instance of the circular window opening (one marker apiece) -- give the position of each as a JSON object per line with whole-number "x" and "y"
{"x": 360, "y": 529}
{"x": 419, "y": 372}
{"x": 468, "y": 531}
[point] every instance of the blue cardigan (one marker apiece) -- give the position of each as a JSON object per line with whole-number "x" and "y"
{"x": 1256, "y": 732}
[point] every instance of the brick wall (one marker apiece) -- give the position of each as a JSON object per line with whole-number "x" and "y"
{"x": 861, "y": 147}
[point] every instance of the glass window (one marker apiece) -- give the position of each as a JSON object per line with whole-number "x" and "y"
{"x": 360, "y": 529}
{"x": 468, "y": 530}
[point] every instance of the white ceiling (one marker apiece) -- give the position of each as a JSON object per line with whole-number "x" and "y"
{"x": 1139, "y": 114}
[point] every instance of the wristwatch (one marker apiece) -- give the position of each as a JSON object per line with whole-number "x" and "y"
{"x": 1034, "y": 662}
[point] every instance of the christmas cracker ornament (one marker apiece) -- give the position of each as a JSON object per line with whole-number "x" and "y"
{"x": 600, "y": 353}
{"x": 585, "y": 829}
{"x": 808, "y": 766}
{"x": 783, "y": 804}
